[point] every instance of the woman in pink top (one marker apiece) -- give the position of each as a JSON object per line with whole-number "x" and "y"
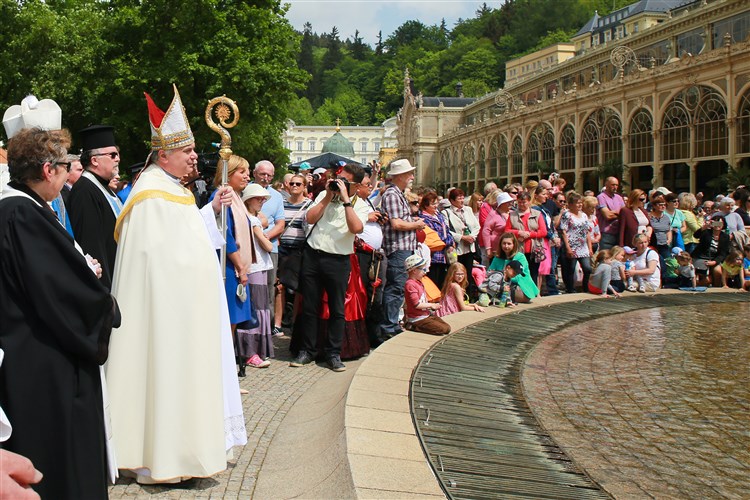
{"x": 528, "y": 225}
{"x": 496, "y": 220}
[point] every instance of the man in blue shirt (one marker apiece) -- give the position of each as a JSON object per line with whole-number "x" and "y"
{"x": 273, "y": 209}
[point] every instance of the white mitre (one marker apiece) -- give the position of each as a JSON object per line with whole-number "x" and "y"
{"x": 170, "y": 130}
{"x": 45, "y": 114}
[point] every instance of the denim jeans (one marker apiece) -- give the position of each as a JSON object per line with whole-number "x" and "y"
{"x": 393, "y": 293}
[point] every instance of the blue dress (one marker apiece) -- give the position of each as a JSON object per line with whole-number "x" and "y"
{"x": 238, "y": 311}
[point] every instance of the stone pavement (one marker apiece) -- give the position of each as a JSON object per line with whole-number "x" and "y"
{"x": 273, "y": 392}
{"x": 652, "y": 404}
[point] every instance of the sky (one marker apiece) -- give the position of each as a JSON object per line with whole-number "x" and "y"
{"x": 371, "y": 16}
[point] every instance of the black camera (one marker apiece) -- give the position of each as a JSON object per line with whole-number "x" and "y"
{"x": 334, "y": 186}
{"x": 315, "y": 177}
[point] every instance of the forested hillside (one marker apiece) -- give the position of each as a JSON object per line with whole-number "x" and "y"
{"x": 362, "y": 84}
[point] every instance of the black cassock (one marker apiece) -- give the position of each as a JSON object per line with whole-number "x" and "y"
{"x": 55, "y": 322}
{"x": 93, "y": 224}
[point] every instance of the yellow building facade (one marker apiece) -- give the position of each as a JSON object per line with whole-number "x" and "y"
{"x": 671, "y": 103}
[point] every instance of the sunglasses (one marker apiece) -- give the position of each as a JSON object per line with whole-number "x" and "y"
{"x": 642, "y": 199}
{"x": 113, "y": 154}
{"x": 65, "y": 164}
{"x": 513, "y": 192}
{"x": 414, "y": 203}
{"x": 293, "y": 184}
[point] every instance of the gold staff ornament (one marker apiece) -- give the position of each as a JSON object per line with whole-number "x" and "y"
{"x": 223, "y": 108}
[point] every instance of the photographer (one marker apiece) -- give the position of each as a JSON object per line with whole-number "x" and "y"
{"x": 335, "y": 217}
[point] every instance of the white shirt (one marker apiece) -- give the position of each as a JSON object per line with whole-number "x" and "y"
{"x": 263, "y": 259}
{"x": 372, "y": 234}
{"x": 641, "y": 262}
{"x": 331, "y": 233}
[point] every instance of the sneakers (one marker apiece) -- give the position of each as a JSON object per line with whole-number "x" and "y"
{"x": 302, "y": 359}
{"x": 335, "y": 364}
{"x": 642, "y": 289}
{"x": 632, "y": 288}
{"x": 277, "y": 332}
{"x": 256, "y": 362}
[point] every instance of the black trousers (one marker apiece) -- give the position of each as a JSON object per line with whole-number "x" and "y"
{"x": 374, "y": 307}
{"x": 329, "y": 272}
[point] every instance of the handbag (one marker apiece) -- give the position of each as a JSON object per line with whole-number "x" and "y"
{"x": 677, "y": 240}
{"x": 432, "y": 240}
{"x": 431, "y": 290}
{"x": 537, "y": 251}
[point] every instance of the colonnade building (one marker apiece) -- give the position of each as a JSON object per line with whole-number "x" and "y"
{"x": 658, "y": 88}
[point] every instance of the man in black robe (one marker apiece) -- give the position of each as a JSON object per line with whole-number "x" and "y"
{"x": 55, "y": 328}
{"x": 93, "y": 207}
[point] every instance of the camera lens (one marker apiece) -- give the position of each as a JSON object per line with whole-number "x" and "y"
{"x": 333, "y": 185}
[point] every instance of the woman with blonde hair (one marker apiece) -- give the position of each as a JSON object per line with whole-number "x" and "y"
{"x": 240, "y": 254}
{"x": 688, "y": 202}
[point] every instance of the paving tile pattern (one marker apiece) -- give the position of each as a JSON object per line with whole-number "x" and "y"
{"x": 273, "y": 391}
{"x": 653, "y": 403}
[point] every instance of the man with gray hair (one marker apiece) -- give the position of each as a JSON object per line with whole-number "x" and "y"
{"x": 399, "y": 242}
{"x": 273, "y": 210}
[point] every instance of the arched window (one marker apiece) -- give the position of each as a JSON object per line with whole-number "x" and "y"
{"x": 445, "y": 165}
{"x": 481, "y": 171}
{"x": 532, "y": 151}
{"x": 548, "y": 146}
{"x": 568, "y": 148}
{"x": 454, "y": 167}
{"x": 675, "y": 133}
{"x": 641, "y": 143}
{"x": 743, "y": 124}
{"x": 590, "y": 143}
{"x": 493, "y": 168}
{"x": 467, "y": 164}
{"x": 705, "y": 109}
{"x": 516, "y": 156}
{"x": 612, "y": 138}
{"x": 711, "y": 137}
{"x": 502, "y": 158}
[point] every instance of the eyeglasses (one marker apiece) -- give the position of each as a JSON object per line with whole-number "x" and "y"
{"x": 660, "y": 204}
{"x": 112, "y": 154}
{"x": 65, "y": 164}
{"x": 293, "y": 184}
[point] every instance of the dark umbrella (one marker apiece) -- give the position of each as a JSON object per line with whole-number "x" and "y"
{"x": 326, "y": 160}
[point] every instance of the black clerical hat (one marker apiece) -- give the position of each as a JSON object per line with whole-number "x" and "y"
{"x": 97, "y": 136}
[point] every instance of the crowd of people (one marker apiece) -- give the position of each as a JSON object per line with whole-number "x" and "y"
{"x": 123, "y": 343}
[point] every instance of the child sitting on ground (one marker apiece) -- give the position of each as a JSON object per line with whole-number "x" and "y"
{"x": 599, "y": 282}
{"x": 732, "y": 271}
{"x": 634, "y": 283}
{"x": 522, "y": 288}
{"x": 618, "y": 279}
{"x": 453, "y": 292}
{"x": 418, "y": 311}
{"x": 686, "y": 271}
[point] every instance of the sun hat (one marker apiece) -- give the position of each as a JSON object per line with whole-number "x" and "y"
{"x": 629, "y": 250}
{"x": 255, "y": 191}
{"x": 414, "y": 261}
{"x": 503, "y": 198}
{"x": 400, "y": 167}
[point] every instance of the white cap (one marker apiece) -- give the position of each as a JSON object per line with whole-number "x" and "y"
{"x": 45, "y": 114}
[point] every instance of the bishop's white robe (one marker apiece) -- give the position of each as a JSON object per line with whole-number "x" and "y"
{"x": 174, "y": 394}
